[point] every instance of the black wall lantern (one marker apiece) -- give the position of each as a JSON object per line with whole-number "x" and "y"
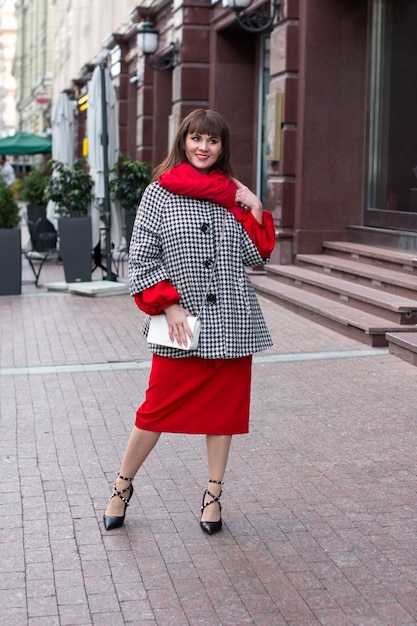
{"x": 147, "y": 39}
{"x": 257, "y": 20}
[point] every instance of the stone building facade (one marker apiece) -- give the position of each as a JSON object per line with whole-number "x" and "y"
{"x": 321, "y": 103}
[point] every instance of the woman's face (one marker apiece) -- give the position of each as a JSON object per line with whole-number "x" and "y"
{"x": 202, "y": 151}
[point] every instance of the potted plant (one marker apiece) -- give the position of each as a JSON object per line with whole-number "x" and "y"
{"x": 70, "y": 188}
{"x": 10, "y": 243}
{"x": 32, "y": 191}
{"x": 128, "y": 180}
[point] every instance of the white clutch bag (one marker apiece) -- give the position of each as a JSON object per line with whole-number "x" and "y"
{"x": 158, "y": 333}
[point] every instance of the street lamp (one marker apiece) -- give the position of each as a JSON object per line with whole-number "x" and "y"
{"x": 147, "y": 38}
{"x": 255, "y": 21}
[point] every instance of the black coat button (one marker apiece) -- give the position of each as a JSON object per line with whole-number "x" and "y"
{"x": 211, "y": 298}
{"x": 208, "y": 263}
{"x": 205, "y": 228}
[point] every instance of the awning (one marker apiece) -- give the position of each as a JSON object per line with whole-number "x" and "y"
{"x": 24, "y": 143}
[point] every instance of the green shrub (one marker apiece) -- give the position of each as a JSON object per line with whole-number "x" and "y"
{"x": 33, "y": 187}
{"x": 9, "y": 210}
{"x": 70, "y": 188}
{"x": 131, "y": 179}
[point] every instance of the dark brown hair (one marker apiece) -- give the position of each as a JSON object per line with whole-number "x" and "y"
{"x": 203, "y": 122}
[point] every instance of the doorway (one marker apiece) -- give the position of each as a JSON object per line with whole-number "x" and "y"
{"x": 392, "y": 171}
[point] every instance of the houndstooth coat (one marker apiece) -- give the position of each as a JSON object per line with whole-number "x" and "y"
{"x": 176, "y": 238}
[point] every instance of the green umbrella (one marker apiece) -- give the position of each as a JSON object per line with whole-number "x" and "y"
{"x": 24, "y": 143}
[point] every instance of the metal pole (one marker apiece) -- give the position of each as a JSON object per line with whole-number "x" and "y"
{"x": 105, "y": 144}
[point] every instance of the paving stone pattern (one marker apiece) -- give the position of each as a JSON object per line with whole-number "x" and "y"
{"x": 319, "y": 505}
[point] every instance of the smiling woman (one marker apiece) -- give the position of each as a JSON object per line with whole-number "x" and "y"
{"x": 202, "y": 151}
{"x": 195, "y": 230}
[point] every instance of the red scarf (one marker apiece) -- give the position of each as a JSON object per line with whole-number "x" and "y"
{"x": 185, "y": 180}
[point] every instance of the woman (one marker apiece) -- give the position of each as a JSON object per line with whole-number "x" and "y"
{"x": 196, "y": 229}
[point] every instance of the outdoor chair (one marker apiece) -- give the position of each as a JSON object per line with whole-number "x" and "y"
{"x": 43, "y": 238}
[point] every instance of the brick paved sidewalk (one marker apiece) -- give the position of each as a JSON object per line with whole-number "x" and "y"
{"x": 319, "y": 506}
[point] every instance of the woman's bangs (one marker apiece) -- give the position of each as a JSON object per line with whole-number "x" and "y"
{"x": 206, "y": 124}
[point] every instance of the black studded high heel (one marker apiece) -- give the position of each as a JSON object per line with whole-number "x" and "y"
{"x": 116, "y": 521}
{"x": 211, "y": 527}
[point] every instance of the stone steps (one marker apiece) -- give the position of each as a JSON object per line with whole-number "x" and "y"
{"x": 403, "y": 345}
{"x": 365, "y": 292}
{"x": 402, "y": 282}
{"x": 386, "y": 257}
{"x": 390, "y": 306}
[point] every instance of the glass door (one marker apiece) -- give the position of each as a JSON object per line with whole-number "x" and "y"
{"x": 392, "y": 173}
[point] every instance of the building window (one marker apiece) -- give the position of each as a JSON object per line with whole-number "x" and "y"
{"x": 393, "y": 110}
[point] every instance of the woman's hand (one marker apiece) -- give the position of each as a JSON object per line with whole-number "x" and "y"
{"x": 179, "y": 329}
{"x": 246, "y": 197}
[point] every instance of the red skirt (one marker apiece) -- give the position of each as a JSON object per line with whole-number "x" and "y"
{"x": 197, "y": 396}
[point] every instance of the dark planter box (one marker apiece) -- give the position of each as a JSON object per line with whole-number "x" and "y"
{"x": 10, "y": 262}
{"x": 75, "y": 248}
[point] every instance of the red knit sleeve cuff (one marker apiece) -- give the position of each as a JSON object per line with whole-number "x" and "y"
{"x": 262, "y": 235}
{"x": 157, "y": 298}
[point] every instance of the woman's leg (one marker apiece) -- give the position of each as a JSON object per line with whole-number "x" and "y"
{"x": 140, "y": 444}
{"x": 218, "y": 448}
